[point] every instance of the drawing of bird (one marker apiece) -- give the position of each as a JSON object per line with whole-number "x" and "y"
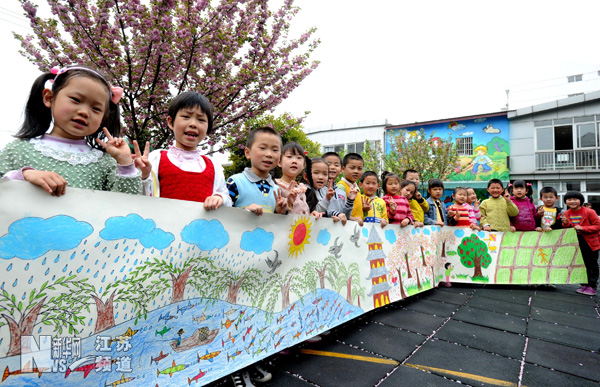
{"x": 356, "y": 236}
{"x": 274, "y": 264}
{"x": 335, "y": 249}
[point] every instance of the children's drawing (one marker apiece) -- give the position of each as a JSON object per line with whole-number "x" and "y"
{"x": 118, "y": 285}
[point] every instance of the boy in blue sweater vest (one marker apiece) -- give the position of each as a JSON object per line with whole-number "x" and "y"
{"x": 254, "y": 189}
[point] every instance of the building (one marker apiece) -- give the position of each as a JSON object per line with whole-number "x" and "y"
{"x": 557, "y": 144}
{"x": 349, "y": 137}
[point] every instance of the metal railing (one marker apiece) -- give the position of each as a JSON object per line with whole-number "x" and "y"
{"x": 559, "y": 160}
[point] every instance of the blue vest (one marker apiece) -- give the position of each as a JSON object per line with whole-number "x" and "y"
{"x": 248, "y": 193}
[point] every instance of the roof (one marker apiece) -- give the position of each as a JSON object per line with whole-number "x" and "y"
{"x": 486, "y": 115}
{"x": 560, "y": 103}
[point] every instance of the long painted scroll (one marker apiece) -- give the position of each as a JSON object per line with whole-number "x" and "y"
{"x": 114, "y": 289}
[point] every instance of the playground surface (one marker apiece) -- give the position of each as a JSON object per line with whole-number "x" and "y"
{"x": 475, "y": 335}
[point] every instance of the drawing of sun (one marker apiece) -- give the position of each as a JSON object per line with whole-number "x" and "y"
{"x": 299, "y": 236}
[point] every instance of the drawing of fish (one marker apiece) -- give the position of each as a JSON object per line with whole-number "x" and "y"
{"x": 246, "y": 334}
{"x": 158, "y": 358}
{"x": 279, "y": 342}
{"x": 208, "y": 356}
{"x": 233, "y": 356}
{"x": 230, "y": 311}
{"x": 166, "y": 317}
{"x": 227, "y": 323}
{"x": 129, "y": 334}
{"x": 195, "y": 378}
{"x": 200, "y": 318}
{"x": 120, "y": 381}
{"x": 162, "y": 332}
{"x": 171, "y": 370}
{"x": 8, "y": 373}
{"x": 185, "y": 308}
{"x": 87, "y": 364}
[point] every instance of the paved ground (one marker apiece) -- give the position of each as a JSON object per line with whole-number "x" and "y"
{"x": 472, "y": 335}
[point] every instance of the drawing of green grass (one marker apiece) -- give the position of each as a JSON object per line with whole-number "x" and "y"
{"x": 510, "y": 239}
{"x": 523, "y": 257}
{"x": 563, "y": 256}
{"x": 520, "y": 276}
{"x": 550, "y": 238}
{"x": 578, "y": 275}
{"x": 507, "y": 257}
{"x": 503, "y": 276}
{"x": 483, "y": 279}
{"x": 559, "y": 276}
{"x": 538, "y": 275}
{"x": 529, "y": 239}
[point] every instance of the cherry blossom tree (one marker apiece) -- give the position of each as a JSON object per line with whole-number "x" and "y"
{"x": 238, "y": 53}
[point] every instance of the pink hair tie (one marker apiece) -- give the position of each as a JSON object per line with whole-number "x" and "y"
{"x": 116, "y": 93}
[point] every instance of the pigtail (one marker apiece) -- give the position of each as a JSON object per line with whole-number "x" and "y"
{"x": 38, "y": 117}
{"x": 311, "y": 195}
{"x": 529, "y": 192}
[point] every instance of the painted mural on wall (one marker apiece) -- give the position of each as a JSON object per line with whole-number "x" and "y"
{"x": 490, "y": 139}
{"x": 113, "y": 289}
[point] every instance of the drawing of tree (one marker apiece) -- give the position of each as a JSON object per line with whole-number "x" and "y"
{"x": 357, "y": 291}
{"x": 319, "y": 268}
{"x": 280, "y": 286}
{"x": 473, "y": 252}
{"x": 62, "y": 310}
{"x": 396, "y": 259}
{"x": 234, "y": 282}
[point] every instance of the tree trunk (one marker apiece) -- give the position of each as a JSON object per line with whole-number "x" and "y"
{"x": 444, "y": 249}
{"x": 477, "y": 263}
{"x": 402, "y": 292}
{"x": 321, "y": 274}
{"x": 418, "y": 279}
{"x": 423, "y": 257}
{"x": 407, "y": 266}
{"x": 358, "y": 299}
{"x": 349, "y": 290}
{"x": 23, "y": 328}
{"x": 285, "y": 293}
{"x": 179, "y": 283}
{"x": 233, "y": 289}
{"x": 105, "y": 318}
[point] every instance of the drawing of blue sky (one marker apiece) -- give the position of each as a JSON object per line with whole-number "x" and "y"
{"x": 134, "y": 226}
{"x": 206, "y": 234}
{"x": 30, "y": 238}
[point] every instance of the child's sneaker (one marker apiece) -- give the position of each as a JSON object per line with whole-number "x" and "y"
{"x": 241, "y": 379}
{"x": 258, "y": 374}
{"x": 446, "y": 284}
{"x": 582, "y": 289}
{"x": 314, "y": 339}
{"x": 589, "y": 291}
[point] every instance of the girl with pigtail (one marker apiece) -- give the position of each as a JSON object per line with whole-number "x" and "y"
{"x": 83, "y": 148}
{"x": 521, "y": 195}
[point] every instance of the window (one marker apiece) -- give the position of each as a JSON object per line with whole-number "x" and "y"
{"x": 327, "y": 149}
{"x": 544, "y": 139}
{"x": 574, "y": 78}
{"x": 563, "y": 137}
{"x": 464, "y": 146}
{"x": 338, "y": 148}
{"x": 572, "y": 185}
{"x": 586, "y": 135}
{"x": 592, "y": 185}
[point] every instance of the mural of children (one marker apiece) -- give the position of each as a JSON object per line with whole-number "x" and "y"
{"x": 482, "y": 159}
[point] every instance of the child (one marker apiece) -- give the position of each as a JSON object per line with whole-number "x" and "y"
{"x": 396, "y": 197}
{"x": 334, "y": 161}
{"x": 82, "y": 107}
{"x": 418, "y": 205}
{"x": 348, "y": 199}
{"x": 320, "y": 189}
{"x": 521, "y": 196}
{"x": 495, "y": 211}
{"x": 254, "y": 189}
{"x": 437, "y": 213}
{"x": 587, "y": 225}
{"x": 459, "y": 214}
{"x": 473, "y": 203}
{"x": 448, "y": 266}
{"x": 181, "y": 172}
{"x": 292, "y": 164}
{"x": 374, "y": 208}
{"x": 547, "y": 216}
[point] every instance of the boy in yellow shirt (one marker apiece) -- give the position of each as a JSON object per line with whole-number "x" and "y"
{"x": 373, "y": 207}
{"x": 418, "y": 205}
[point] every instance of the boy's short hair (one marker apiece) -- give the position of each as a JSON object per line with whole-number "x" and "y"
{"x": 191, "y": 99}
{"x": 263, "y": 129}
{"x": 547, "y": 190}
{"x": 328, "y": 154}
{"x": 435, "y": 183}
{"x": 351, "y": 156}
{"x": 407, "y": 172}
{"x": 367, "y": 174}
{"x": 495, "y": 181}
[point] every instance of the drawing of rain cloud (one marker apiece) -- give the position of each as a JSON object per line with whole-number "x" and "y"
{"x": 206, "y": 234}
{"x": 257, "y": 241}
{"x": 134, "y": 226}
{"x": 30, "y": 238}
{"x": 390, "y": 235}
{"x": 324, "y": 237}
{"x": 490, "y": 129}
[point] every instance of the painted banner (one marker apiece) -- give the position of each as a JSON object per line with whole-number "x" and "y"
{"x": 114, "y": 289}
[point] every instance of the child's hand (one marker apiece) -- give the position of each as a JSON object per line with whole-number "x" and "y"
{"x": 513, "y": 229}
{"x": 281, "y": 203}
{"x": 51, "y": 182}
{"x": 330, "y": 190}
{"x": 405, "y": 222}
{"x": 539, "y": 229}
{"x": 318, "y": 215}
{"x": 141, "y": 161}
{"x": 255, "y": 209}
{"x": 392, "y": 204}
{"x": 357, "y": 220}
{"x": 417, "y": 195}
{"x": 564, "y": 220}
{"x": 341, "y": 217}
{"x": 487, "y": 228}
{"x": 476, "y": 203}
{"x": 507, "y": 196}
{"x": 578, "y": 228}
{"x": 418, "y": 224}
{"x": 352, "y": 193}
{"x": 213, "y": 202}
{"x": 366, "y": 204}
{"x": 384, "y": 223}
{"x": 474, "y": 226}
{"x": 439, "y": 223}
{"x": 452, "y": 214}
{"x": 116, "y": 147}
{"x": 541, "y": 210}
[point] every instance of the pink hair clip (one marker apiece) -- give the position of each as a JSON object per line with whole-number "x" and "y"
{"x": 116, "y": 93}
